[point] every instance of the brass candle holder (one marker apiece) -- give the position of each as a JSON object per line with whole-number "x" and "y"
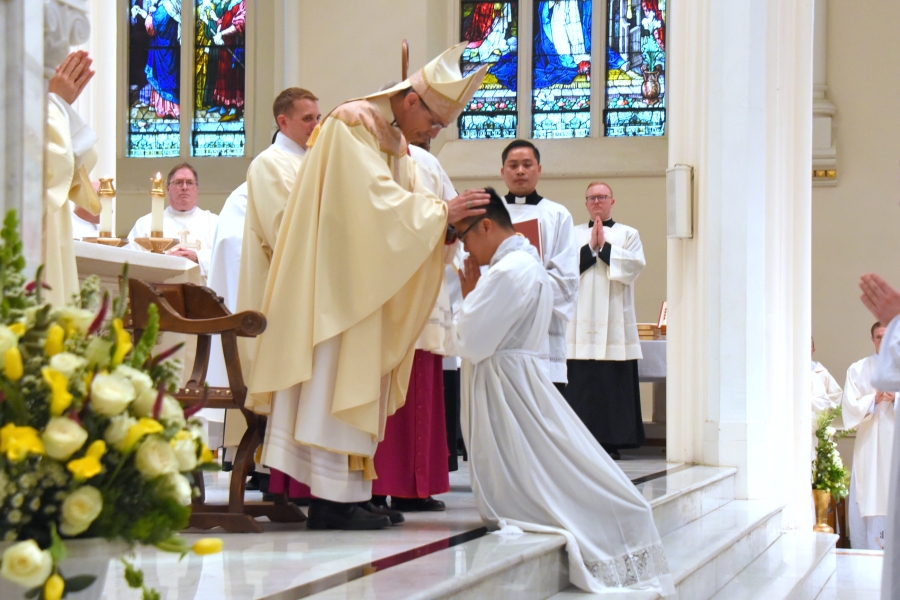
{"x": 156, "y": 243}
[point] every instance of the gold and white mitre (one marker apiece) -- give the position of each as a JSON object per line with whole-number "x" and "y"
{"x": 441, "y": 85}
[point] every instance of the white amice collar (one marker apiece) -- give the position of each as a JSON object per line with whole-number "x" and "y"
{"x": 289, "y": 145}
{"x": 180, "y": 213}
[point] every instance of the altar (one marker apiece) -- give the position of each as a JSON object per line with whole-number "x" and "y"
{"x": 652, "y": 369}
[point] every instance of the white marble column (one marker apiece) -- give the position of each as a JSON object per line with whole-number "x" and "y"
{"x": 740, "y": 90}
{"x": 22, "y": 100}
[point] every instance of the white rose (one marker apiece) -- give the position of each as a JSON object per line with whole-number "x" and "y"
{"x": 140, "y": 380}
{"x": 156, "y": 457}
{"x": 7, "y": 340}
{"x": 181, "y": 488}
{"x": 143, "y": 406}
{"x": 172, "y": 413}
{"x": 186, "y": 452}
{"x": 111, "y": 394}
{"x": 830, "y": 431}
{"x": 117, "y": 429}
{"x": 63, "y": 437}
{"x": 26, "y": 564}
{"x": 67, "y": 363}
{"x": 78, "y": 318}
{"x": 198, "y": 430}
{"x": 80, "y": 509}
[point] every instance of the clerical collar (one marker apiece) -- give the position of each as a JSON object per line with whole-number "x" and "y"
{"x": 289, "y": 145}
{"x": 532, "y": 198}
{"x": 606, "y": 223}
{"x": 181, "y": 213}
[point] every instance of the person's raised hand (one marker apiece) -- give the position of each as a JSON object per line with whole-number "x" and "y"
{"x": 72, "y": 76}
{"x": 469, "y": 275}
{"x": 467, "y": 204}
{"x": 880, "y": 298}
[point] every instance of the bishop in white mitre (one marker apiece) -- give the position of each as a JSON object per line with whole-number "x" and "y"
{"x": 533, "y": 463}
{"x": 872, "y": 412}
{"x": 355, "y": 272}
{"x": 182, "y": 218}
{"x": 521, "y": 172}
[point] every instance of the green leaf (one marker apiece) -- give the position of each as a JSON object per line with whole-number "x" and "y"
{"x": 210, "y": 466}
{"x": 151, "y": 594}
{"x": 175, "y": 544}
{"x": 79, "y": 582}
{"x": 120, "y": 304}
{"x": 57, "y": 547}
{"x": 133, "y": 577}
{"x": 145, "y": 345}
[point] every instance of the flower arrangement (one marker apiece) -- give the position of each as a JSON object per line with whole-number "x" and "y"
{"x": 828, "y": 472}
{"x": 91, "y": 443}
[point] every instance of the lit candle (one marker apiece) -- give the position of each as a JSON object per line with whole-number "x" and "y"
{"x": 157, "y": 199}
{"x": 107, "y": 195}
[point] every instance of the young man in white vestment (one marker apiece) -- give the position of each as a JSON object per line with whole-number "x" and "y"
{"x": 183, "y": 215}
{"x": 872, "y": 412}
{"x": 355, "y": 272}
{"x": 533, "y": 463}
{"x": 521, "y": 172}
{"x": 824, "y": 390}
{"x": 602, "y": 342}
{"x": 84, "y": 224}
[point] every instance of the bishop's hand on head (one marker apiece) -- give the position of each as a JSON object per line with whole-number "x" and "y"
{"x": 880, "y": 298}
{"x": 467, "y": 204}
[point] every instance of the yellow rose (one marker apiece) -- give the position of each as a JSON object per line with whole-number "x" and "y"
{"x": 13, "y": 367}
{"x": 111, "y": 394}
{"x": 123, "y": 343}
{"x": 60, "y": 397}
{"x": 16, "y": 442}
{"x": 63, "y": 437}
{"x": 56, "y": 335}
{"x": 185, "y": 450}
{"x": 18, "y": 329}
{"x": 54, "y": 588}
{"x": 117, "y": 430}
{"x": 26, "y": 564}
{"x": 206, "y": 455}
{"x": 89, "y": 465}
{"x": 139, "y": 430}
{"x": 208, "y": 546}
{"x": 67, "y": 363}
{"x": 140, "y": 380}
{"x": 80, "y": 509}
{"x": 155, "y": 457}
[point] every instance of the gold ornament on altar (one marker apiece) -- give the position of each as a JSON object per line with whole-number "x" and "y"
{"x": 107, "y": 194}
{"x": 156, "y": 243}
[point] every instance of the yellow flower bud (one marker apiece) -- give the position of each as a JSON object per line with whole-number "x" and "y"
{"x": 208, "y": 546}
{"x": 13, "y": 369}
{"x": 89, "y": 465}
{"x": 53, "y": 589}
{"x": 123, "y": 343}
{"x": 18, "y": 329}
{"x": 206, "y": 455}
{"x": 56, "y": 335}
{"x": 16, "y": 442}
{"x": 60, "y": 398}
{"x": 137, "y": 431}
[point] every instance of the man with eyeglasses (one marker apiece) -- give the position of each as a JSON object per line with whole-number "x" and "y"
{"x": 602, "y": 339}
{"x": 183, "y": 214}
{"x": 356, "y": 268}
{"x": 521, "y": 171}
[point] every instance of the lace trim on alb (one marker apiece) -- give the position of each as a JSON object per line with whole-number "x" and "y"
{"x": 629, "y": 569}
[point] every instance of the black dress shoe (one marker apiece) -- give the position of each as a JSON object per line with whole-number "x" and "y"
{"x": 324, "y": 514}
{"x": 379, "y": 501}
{"x": 253, "y": 483}
{"x": 428, "y": 504}
{"x": 395, "y": 516}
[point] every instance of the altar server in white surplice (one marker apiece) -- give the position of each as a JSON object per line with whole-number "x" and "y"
{"x": 183, "y": 214}
{"x": 872, "y": 412}
{"x": 534, "y": 465}
{"x": 825, "y": 391}
{"x": 521, "y": 171}
{"x": 602, "y": 340}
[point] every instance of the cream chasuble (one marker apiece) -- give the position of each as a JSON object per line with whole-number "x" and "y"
{"x": 69, "y": 157}
{"x": 355, "y": 272}
{"x": 874, "y": 438}
{"x": 604, "y": 326}
{"x": 200, "y": 225}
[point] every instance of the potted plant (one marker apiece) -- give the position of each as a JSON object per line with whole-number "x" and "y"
{"x": 829, "y": 477}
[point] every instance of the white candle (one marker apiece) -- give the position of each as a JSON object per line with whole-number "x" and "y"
{"x": 157, "y": 199}
{"x": 106, "y": 215}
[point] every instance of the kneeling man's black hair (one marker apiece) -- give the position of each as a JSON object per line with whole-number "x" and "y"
{"x": 496, "y": 211}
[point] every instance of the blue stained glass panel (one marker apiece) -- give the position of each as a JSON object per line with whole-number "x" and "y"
{"x": 219, "y": 78}
{"x": 636, "y": 68}
{"x": 491, "y": 28}
{"x": 561, "y": 71}
{"x": 154, "y": 72}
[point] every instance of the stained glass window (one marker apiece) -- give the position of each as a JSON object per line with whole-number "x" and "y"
{"x": 561, "y": 69}
{"x": 154, "y": 71}
{"x": 636, "y": 68}
{"x": 219, "y": 68}
{"x": 491, "y": 28}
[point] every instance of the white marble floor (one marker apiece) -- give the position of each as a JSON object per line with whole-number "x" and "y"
{"x": 857, "y": 576}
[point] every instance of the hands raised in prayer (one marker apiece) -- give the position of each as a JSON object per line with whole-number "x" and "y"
{"x": 598, "y": 236}
{"x": 883, "y": 397}
{"x": 880, "y": 298}
{"x": 72, "y": 76}
{"x": 469, "y": 276}
{"x": 467, "y": 204}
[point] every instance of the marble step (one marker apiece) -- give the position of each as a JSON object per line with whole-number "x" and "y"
{"x": 688, "y": 494}
{"x": 796, "y": 567}
{"x": 707, "y": 553}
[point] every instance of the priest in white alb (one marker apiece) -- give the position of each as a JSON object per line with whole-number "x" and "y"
{"x": 872, "y": 413}
{"x": 355, "y": 272}
{"x": 182, "y": 217}
{"x": 533, "y": 463}
{"x": 825, "y": 391}
{"x": 602, "y": 339}
{"x": 521, "y": 172}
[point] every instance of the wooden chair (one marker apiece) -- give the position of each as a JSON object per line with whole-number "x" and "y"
{"x": 195, "y": 310}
